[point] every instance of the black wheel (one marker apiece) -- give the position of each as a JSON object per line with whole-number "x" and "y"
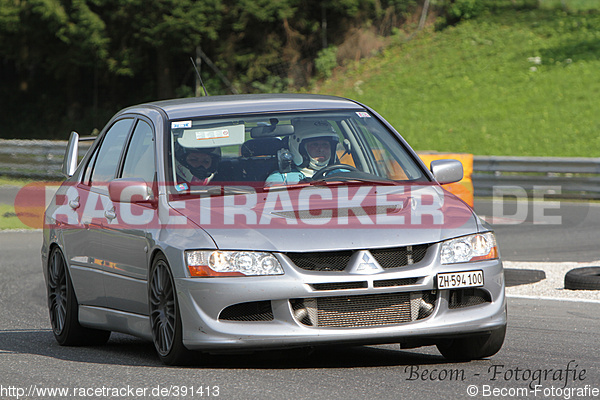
{"x": 473, "y": 347}
{"x": 322, "y": 173}
{"x": 584, "y": 278}
{"x": 165, "y": 319}
{"x": 64, "y": 309}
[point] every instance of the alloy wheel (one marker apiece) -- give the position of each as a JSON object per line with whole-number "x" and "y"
{"x": 57, "y": 292}
{"x": 162, "y": 308}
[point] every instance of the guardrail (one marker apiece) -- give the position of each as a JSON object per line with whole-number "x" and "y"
{"x": 557, "y": 177}
{"x": 34, "y": 159}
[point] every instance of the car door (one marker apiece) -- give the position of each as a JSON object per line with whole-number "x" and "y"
{"x": 126, "y": 236}
{"x": 84, "y": 246}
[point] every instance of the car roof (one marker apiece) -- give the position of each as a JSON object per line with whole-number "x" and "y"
{"x": 250, "y": 103}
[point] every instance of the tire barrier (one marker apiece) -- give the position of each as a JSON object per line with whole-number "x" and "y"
{"x": 584, "y": 278}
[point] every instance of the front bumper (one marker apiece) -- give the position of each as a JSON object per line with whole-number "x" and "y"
{"x": 203, "y": 300}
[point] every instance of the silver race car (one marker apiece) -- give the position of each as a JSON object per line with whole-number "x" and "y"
{"x": 231, "y": 223}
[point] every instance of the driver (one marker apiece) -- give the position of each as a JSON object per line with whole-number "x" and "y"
{"x": 198, "y": 165}
{"x": 313, "y": 147}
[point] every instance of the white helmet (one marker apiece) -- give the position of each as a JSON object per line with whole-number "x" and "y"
{"x": 306, "y": 129}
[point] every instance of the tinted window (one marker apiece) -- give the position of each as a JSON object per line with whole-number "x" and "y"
{"x": 273, "y": 149}
{"x": 139, "y": 161}
{"x": 107, "y": 160}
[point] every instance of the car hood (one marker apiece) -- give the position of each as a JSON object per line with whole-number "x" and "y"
{"x": 340, "y": 218}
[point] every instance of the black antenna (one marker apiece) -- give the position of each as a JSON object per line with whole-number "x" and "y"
{"x": 199, "y": 77}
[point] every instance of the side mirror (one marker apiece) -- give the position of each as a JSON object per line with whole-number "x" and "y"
{"x": 71, "y": 155}
{"x": 447, "y": 171}
{"x": 130, "y": 190}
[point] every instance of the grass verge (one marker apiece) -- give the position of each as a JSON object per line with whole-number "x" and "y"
{"x": 9, "y": 218}
{"x": 514, "y": 82}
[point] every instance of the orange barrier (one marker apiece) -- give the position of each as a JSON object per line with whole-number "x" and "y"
{"x": 464, "y": 188}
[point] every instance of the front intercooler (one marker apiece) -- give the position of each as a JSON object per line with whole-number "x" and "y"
{"x": 363, "y": 310}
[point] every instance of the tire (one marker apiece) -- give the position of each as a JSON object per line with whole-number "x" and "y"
{"x": 473, "y": 347}
{"x": 64, "y": 308}
{"x": 165, "y": 319}
{"x": 584, "y": 278}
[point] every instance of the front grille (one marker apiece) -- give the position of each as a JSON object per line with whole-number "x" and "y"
{"x": 395, "y": 282}
{"x": 339, "y": 285}
{"x": 247, "y": 312}
{"x": 401, "y": 256}
{"x": 338, "y": 260}
{"x": 322, "y": 261}
{"x": 461, "y": 298}
{"x": 363, "y": 310}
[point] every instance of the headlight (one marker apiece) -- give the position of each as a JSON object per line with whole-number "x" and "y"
{"x": 481, "y": 246}
{"x": 231, "y": 263}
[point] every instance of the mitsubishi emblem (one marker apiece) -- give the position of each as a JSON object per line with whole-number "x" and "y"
{"x": 364, "y": 263}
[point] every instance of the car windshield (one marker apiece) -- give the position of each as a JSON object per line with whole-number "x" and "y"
{"x": 286, "y": 149}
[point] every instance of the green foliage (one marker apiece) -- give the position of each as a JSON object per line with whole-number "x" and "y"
{"x": 465, "y": 9}
{"x": 570, "y": 5}
{"x": 273, "y": 84}
{"x": 9, "y": 16}
{"x": 72, "y": 34}
{"x": 326, "y": 61}
{"x": 70, "y": 64}
{"x": 454, "y": 11}
{"x": 511, "y": 83}
{"x": 9, "y": 219}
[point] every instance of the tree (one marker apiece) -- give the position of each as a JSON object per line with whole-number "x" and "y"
{"x": 157, "y": 35}
{"x": 73, "y": 63}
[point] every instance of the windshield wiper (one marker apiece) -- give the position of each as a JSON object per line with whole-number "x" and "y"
{"x": 354, "y": 177}
{"x": 217, "y": 190}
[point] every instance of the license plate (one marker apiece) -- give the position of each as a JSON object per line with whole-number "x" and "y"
{"x": 452, "y": 280}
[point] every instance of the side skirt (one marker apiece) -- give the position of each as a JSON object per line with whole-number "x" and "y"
{"x": 114, "y": 320}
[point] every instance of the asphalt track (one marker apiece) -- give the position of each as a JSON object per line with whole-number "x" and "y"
{"x": 550, "y": 346}
{"x": 549, "y": 231}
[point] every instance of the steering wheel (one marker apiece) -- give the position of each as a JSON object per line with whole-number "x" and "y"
{"x": 322, "y": 173}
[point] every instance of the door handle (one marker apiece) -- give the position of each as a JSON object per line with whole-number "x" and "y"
{"x": 110, "y": 214}
{"x": 74, "y": 204}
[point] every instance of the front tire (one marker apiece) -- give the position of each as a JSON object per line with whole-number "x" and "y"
{"x": 64, "y": 308}
{"x": 165, "y": 319}
{"x": 473, "y": 347}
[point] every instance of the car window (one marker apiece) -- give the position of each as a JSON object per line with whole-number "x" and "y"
{"x": 139, "y": 159}
{"x": 107, "y": 160}
{"x": 251, "y": 150}
{"x": 387, "y": 162}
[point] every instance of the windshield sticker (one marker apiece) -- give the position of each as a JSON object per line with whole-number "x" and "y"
{"x": 362, "y": 114}
{"x": 181, "y": 124}
{"x": 181, "y": 187}
{"x": 221, "y": 136}
{"x": 213, "y": 134}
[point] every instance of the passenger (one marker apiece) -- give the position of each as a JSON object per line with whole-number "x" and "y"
{"x": 313, "y": 147}
{"x": 198, "y": 165}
